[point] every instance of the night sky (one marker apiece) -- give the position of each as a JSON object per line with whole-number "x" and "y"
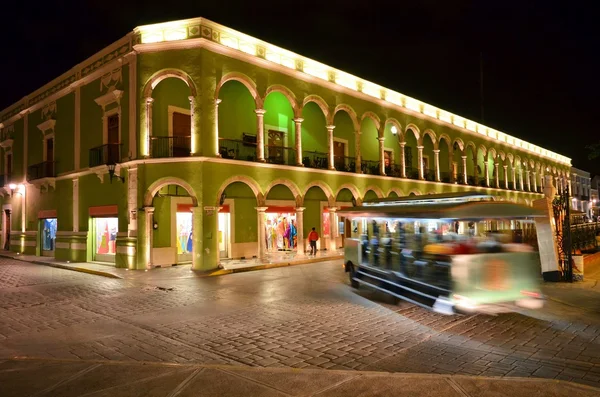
{"x": 541, "y": 62}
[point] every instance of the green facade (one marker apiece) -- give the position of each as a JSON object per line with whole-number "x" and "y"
{"x": 159, "y": 173}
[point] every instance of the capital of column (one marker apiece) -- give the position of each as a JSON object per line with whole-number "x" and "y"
{"x": 191, "y": 98}
{"x": 260, "y": 112}
{"x": 505, "y": 166}
{"x": 464, "y": 158}
{"x": 330, "y": 127}
{"x": 420, "y": 147}
{"x": 149, "y": 100}
{"x": 333, "y": 209}
{"x": 148, "y": 210}
{"x": 402, "y": 144}
{"x": 298, "y": 120}
{"x": 218, "y": 101}
{"x": 381, "y": 139}
{"x": 300, "y": 209}
{"x": 436, "y": 151}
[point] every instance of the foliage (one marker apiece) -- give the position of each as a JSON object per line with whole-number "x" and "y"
{"x": 594, "y": 151}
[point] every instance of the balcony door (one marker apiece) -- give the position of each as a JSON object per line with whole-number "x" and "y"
{"x": 112, "y": 139}
{"x": 182, "y": 132}
{"x": 275, "y": 144}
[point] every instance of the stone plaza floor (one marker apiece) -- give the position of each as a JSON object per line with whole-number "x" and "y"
{"x": 302, "y": 317}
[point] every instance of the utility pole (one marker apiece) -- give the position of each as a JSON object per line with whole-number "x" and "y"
{"x": 481, "y": 84}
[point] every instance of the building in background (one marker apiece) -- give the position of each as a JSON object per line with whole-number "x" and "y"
{"x": 189, "y": 141}
{"x": 581, "y": 184}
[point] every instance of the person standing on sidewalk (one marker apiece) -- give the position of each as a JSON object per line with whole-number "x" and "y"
{"x": 313, "y": 236}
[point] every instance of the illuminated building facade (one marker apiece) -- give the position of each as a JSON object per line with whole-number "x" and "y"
{"x": 188, "y": 141}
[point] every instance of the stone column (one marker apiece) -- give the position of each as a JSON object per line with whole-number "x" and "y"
{"x": 402, "y": 160}
{"x": 496, "y": 169}
{"x": 521, "y": 179}
{"x": 298, "y": 124}
{"x": 487, "y": 173}
{"x": 436, "y": 153}
{"x": 464, "y": 165}
{"x": 514, "y": 178}
{"x": 260, "y": 135}
{"x": 505, "y": 176}
{"x": 381, "y": 157}
{"x": 332, "y": 229}
{"x": 147, "y": 149}
{"x": 216, "y": 133}
{"x": 149, "y": 221}
{"x": 330, "y": 145}
{"x": 528, "y": 173}
{"x": 260, "y": 211}
{"x": 475, "y": 171}
{"x": 358, "y": 156}
{"x": 132, "y": 180}
{"x": 75, "y": 204}
{"x": 421, "y": 171}
{"x": 535, "y": 189}
{"x": 300, "y": 230}
{"x": 194, "y": 132}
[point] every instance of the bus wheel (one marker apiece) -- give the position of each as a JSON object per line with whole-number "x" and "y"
{"x": 353, "y": 282}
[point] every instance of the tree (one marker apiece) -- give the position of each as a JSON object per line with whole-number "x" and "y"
{"x": 594, "y": 151}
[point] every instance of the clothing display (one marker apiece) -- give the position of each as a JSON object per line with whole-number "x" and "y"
{"x": 49, "y": 234}
{"x": 280, "y": 232}
{"x": 184, "y": 233}
{"x": 106, "y": 235}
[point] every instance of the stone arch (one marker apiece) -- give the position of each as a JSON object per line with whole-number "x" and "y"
{"x": 398, "y": 126}
{"x": 431, "y": 135}
{"x": 460, "y": 143}
{"x": 162, "y": 182}
{"x": 353, "y": 189}
{"x": 165, "y": 74}
{"x": 326, "y": 189}
{"x": 290, "y": 185}
{"x": 447, "y": 139}
{"x": 395, "y": 190}
{"x": 288, "y": 94}
{"x": 251, "y": 183}
{"x": 320, "y": 102}
{"x": 472, "y": 146}
{"x": 492, "y": 152}
{"x": 373, "y": 117}
{"x": 483, "y": 150}
{"x": 375, "y": 189}
{"x": 348, "y": 109}
{"x": 511, "y": 158}
{"x": 502, "y": 155}
{"x": 246, "y": 81}
{"x": 415, "y": 130}
{"x": 414, "y": 192}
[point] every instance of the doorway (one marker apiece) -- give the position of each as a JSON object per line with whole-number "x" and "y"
{"x": 182, "y": 132}
{"x": 48, "y": 236}
{"x": 113, "y": 139}
{"x": 7, "y": 226}
{"x": 104, "y": 232}
{"x": 275, "y": 145}
{"x": 224, "y": 234}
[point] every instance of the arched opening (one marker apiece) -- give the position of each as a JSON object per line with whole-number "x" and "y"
{"x": 237, "y": 222}
{"x": 280, "y": 139}
{"x": 237, "y": 122}
{"x": 411, "y": 154}
{"x": 347, "y": 228}
{"x": 171, "y": 134}
{"x": 458, "y": 171}
{"x": 393, "y": 194}
{"x": 445, "y": 159}
{"x": 491, "y": 167}
{"x": 391, "y": 149}
{"x": 471, "y": 164}
{"x": 428, "y": 157}
{"x": 314, "y": 137}
{"x": 481, "y": 161}
{"x": 509, "y": 172}
{"x": 344, "y": 141}
{"x": 369, "y": 147}
{"x": 370, "y": 195}
{"x": 280, "y": 221}
{"x": 317, "y": 215}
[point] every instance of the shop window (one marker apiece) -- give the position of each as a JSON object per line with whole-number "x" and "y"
{"x": 48, "y": 234}
{"x": 105, "y": 230}
{"x": 280, "y": 231}
{"x": 184, "y": 233}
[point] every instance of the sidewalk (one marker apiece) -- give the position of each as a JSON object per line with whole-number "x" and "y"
{"x": 180, "y": 271}
{"x": 113, "y": 379}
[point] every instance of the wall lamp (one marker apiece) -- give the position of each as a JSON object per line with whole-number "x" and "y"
{"x": 19, "y": 189}
{"x": 111, "y": 173}
{"x": 394, "y": 130}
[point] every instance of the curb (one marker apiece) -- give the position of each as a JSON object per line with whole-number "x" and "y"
{"x": 271, "y": 266}
{"x": 65, "y": 267}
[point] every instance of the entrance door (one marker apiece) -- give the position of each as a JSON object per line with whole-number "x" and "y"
{"x": 184, "y": 220}
{"x": 182, "y": 135}
{"x": 224, "y": 235}
{"x": 275, "y": 147}
{"x": 105, "y": 239}
{"x": 339, "y": 150}
{"x": 48, "y": 236}
{"x": 113, "y": 140}
{"x": 7, "y": 227}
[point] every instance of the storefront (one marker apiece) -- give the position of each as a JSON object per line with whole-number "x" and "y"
{"x": 47, "y": 232}
{"x": 105, "y": 226}
{"x": 280, "y": 229}
{"x": 183, "y": 222}
{"x": 224, "y": 230}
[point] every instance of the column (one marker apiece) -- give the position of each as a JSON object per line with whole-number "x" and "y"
{"x": 330, "y": 146}
{"x": 528, "y": 173}
{"x": 521, "y": 179}
{"x": 496, "y": 168}
{"x": 217, "y": 102}
{"x": 421, "y": 171}
{"x": 475, "y": 171}
{"x": 300, "y": 230}
{"x": 535, "y": 189}
{"x": 332, "y": 229}
{"x": 260, "y": 212}
{"x": 505, "y": 176}
{"x": 487, "y": 173}
{"x": 358, "y": 156}
{"x": 149, "y": 102}
{"x": 197, "y": 238}
{"x": 402, "y": 160}
{"x": 381, "y": 157}
{"x": 514, "y": 178}
{"x": 464, "y": 165}
{"x": 75, "y": 204}
{"x": 149, "y": 220}
{"x": 194, "y": 133}
{"x": 260, "y": 135}
{"x": 436, "y": 154}
{"x": 132, "y": 180}
{"x": 298, "y": 124}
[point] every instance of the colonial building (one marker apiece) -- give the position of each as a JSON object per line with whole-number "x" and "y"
{"x": 189, "y": 141}
{"x": 581, "y": 184}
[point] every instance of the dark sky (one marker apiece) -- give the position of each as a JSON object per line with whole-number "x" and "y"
{"x": 541, "y": 62}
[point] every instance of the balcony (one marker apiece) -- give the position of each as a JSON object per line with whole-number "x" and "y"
{"x": 370, "y": 167}
{"x": 429, "y": 175}
{"x": 237, "y": 149}
{"x": 105, "y": 154}
{"x": 170, "y": 146}
{"x": 42, "y": 170}
{"x": 280, "y": 155}
{"x": 316, "y": 160}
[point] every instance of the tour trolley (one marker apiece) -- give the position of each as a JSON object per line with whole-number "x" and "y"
{"x": 453, "y": 253}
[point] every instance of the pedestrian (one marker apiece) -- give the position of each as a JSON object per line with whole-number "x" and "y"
{"x": 313, "y": 236}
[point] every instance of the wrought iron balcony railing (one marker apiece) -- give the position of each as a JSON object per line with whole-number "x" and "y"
{"x": 170, "y": 146}
{"x": 280, "y": 155}
{"x": 312, "y": 159}
{"x": 344, "y": 163}
{"x": 105, "y": 154}
{"x": 370, "y": 167}
{"x": 45, "y": 169}
{"x": 237, "y": 149}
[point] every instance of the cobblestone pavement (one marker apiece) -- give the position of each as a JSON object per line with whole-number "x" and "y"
{"x": 300, "y": 317}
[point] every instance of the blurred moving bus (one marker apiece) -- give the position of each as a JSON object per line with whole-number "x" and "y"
{"x": 453, "y": 253}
